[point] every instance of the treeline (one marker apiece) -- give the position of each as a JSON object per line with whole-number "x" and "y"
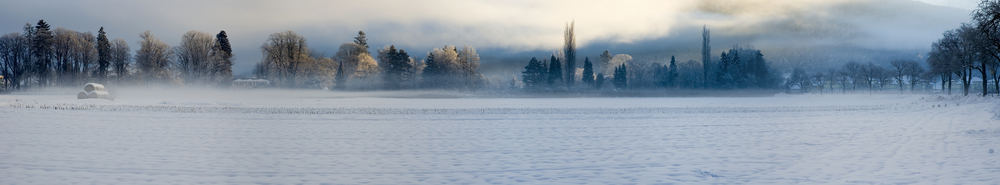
{"x": 737, "y": 68}
{"x": 854, "y": 76}
{"x": 970, "y": 51}
{"x": 289, "y": 63}
{"x": 968, "y": 55}
{"x": 41, "y": 56}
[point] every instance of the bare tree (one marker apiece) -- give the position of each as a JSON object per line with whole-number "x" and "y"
{"x": 62, "y": 52}
{"x": 193, "y": 56}
{"x": 914, "y": 73}
{"x": 987, "y": 20}
{"x": 899, "y": 71}
{"x": 283, "y": 53}
{"x": 468, "y": 59}
{"x": 852, "y": 71}
{"x": 15, "y": 57}
{"x": 120, "y": 56}
{"x": 153, "y": 59}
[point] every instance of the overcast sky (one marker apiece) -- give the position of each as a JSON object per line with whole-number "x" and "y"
{"x": 514, "y": 25}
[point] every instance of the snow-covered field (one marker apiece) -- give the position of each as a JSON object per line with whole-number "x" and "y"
{"x": 161, "y": 136}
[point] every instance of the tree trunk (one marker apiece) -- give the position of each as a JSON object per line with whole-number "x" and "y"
{"x": 949, "y": 83}
{"x": 913, "y": 83}
{"x": 943, "y": 82}
{"x": 965, "y": 81}
{"x": 982, "y": 71}
{"x": 996, "y": 80}
{"x": 899, "y": 82}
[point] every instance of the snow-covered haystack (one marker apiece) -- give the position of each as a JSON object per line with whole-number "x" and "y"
{"x": 94, "y": 90}
{"x": 91, "y": 87}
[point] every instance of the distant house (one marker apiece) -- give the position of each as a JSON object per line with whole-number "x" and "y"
{"x": 250, "y": 83}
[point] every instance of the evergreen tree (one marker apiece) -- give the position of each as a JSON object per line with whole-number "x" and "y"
{"x": 468, "y": 60}
{"x": 588, "y": 72}
{"x": 103, "y": 54}
{"x": 396, "y": 68}
{"x": 362, "y": 40}
{"x": 621, "y": 77}
{"x": 599, "y": 83}
{"x": 222, "y": 54}
{"x": 555, "y": 72}
{"x": 41, "y": 51}
{"x": 432, "y": 71}
{"x": 672, "y": 73}
{"x": 534, "y": 74}
{"x": 449, "y": 67}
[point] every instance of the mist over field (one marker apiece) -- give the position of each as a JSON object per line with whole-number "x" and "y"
{"x": 500, "y": 92}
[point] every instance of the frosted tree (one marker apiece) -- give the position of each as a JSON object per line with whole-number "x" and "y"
{"x": 365, "y": 71}
{"x": 443, "y": 68}
{"x": 468, "y": 60}
{"x": 283, "y": 53}
{"x": 348, "y": 54}
{"x": 317, "y": 73}
{"x": 359, "y": 67}
{"x": 152, "y": 58}
{"x": 618, "y": 60}
{"x": 193, "y": 56}
{"x": 120, "y": 55}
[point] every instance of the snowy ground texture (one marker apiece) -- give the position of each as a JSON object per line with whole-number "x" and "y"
{"x": 315, "y": 137}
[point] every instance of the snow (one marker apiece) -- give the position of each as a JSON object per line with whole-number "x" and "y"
{"x": 159, "y": 136}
